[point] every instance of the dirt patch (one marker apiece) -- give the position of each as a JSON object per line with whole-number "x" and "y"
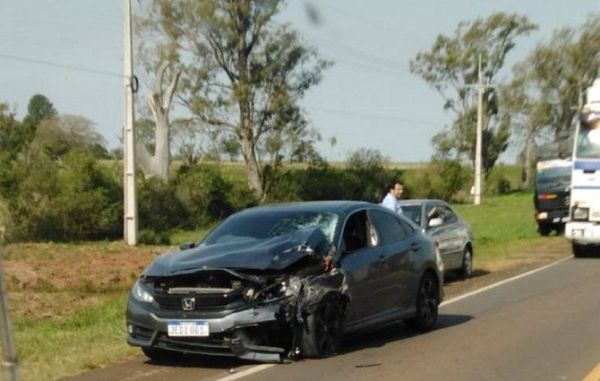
{"x": 46, "y": 280}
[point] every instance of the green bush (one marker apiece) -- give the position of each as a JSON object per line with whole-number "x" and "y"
{"x": 204, "y": 193}
{"x": 498, "y": 184}
{"x": 159, "y": 208}
{"x": 89, "y": 204}
{"x": 441, "y": 179}
{"x": 76, "y": 202}
{"x": 365, "y": 179}
{"x": 150, "y": 237}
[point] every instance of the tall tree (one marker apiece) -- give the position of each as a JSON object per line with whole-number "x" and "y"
{"x": 58, "y": 136}
{"x": 452, "y": 64}
{"x": 544, "y": 94}
{"x": 11, "y": 137}
{"x": 160, "y": 99}
{"x": 39, "y": 109}
{"x": 241, "y": 71}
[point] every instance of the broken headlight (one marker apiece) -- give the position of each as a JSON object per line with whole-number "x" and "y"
{"x": 281, "y": 288}
{"x": 140, "y": 294}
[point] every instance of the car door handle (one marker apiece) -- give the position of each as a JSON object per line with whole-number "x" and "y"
{"x": 415, "y": 246}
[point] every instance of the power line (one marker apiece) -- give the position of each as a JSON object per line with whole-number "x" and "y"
{"x": 364, "y": 20}
{"x": 370, "y": 67}
{"x": 336, "y": 46}
{"x": 373, "y": 116}
{"x": 59, "y": 65}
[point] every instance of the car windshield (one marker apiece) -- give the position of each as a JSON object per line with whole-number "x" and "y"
{"x": 588, "y": 143}
{"x": 553, "y": 177}
{"x": 412, "y": 212}
{"x": 266, "y": 225}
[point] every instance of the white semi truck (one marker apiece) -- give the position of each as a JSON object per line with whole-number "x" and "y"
{"x": 583, "y": 228}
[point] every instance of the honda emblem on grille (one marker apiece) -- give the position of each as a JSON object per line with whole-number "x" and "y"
{"x": 188, "y": 304}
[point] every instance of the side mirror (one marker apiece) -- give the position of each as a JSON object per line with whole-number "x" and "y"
{"x": 435, "y": 222}
{"x": 187, "y": 245}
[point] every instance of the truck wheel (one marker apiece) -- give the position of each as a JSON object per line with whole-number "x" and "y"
{"x": 579, "y": 250}
{"x": 544, "y": 230}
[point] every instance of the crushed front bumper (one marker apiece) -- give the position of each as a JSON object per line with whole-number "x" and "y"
{"x": 584, "y": 233}
{"x": 227, "y": 335}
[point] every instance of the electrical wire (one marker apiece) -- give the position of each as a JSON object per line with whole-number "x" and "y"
{"x": 373, "y": 116}
{"x": 59, "y": 65}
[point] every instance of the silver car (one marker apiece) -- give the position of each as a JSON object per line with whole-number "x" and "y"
{"x": 451, "y": 232}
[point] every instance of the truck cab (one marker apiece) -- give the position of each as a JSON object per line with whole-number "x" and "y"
{"x": 583, "y": 229}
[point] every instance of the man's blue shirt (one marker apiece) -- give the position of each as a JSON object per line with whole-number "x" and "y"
{"x": 392, "y": 203}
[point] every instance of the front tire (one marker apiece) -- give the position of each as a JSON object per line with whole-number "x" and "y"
{"x": 544, "y": 230}
{"x": 323, "y": 329}
{"x": 579, "y": 251}
{"x": 428, "y": 299}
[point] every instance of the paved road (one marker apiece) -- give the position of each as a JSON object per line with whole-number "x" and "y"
{"x": 545, "y": 326}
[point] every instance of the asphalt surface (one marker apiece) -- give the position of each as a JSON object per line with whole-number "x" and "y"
{"x": 544, "y": 326}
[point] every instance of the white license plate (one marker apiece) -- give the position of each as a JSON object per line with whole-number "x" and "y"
{"x": 188, "y": 328}
{"x": 577, "y": 233}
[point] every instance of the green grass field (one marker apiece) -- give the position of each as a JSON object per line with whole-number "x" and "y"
{"x": 55, "y": 346}
{"x": 50, "y": 349}
{"x": 502, "y": 225}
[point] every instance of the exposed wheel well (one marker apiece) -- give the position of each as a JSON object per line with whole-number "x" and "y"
{"x": 433, "y": 274}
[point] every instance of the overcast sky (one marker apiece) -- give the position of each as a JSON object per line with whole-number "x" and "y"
{"x": 367, "y": 99}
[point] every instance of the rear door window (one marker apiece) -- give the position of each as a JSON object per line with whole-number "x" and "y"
{"x": 390, "y": 228}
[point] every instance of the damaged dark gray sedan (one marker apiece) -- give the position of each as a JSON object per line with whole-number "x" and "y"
{"x": 280, "y": 281}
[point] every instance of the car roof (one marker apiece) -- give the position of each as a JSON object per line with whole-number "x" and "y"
{"x": 422, "y": 201}
{"x": 342, "y": 206}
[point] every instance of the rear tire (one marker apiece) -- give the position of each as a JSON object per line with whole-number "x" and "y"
{"x": 428, "y": 300}
{"x": 323, "y": 330}
{"x": 466, "y": 269}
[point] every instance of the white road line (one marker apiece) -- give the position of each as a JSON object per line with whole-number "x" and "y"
{"x": 246, "y": 372}
{"x": 494, "y": 285}
{"x": 259, "y": 368}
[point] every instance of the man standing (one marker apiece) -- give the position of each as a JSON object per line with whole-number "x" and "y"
{"x": 391, "y": 200}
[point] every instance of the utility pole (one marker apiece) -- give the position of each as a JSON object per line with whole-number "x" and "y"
{"x": 129, "y": 186}
{"x": 479, "y": 142}
{"x": 480, "y": 86}
{"x": 10, "y": 354}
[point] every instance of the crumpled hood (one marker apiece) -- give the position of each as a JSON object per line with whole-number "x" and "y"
{"x": 270, "y": 254}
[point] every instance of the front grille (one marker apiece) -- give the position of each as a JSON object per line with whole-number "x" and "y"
{"x": 560, "y": 202}
{"x": 203, "y": 302}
